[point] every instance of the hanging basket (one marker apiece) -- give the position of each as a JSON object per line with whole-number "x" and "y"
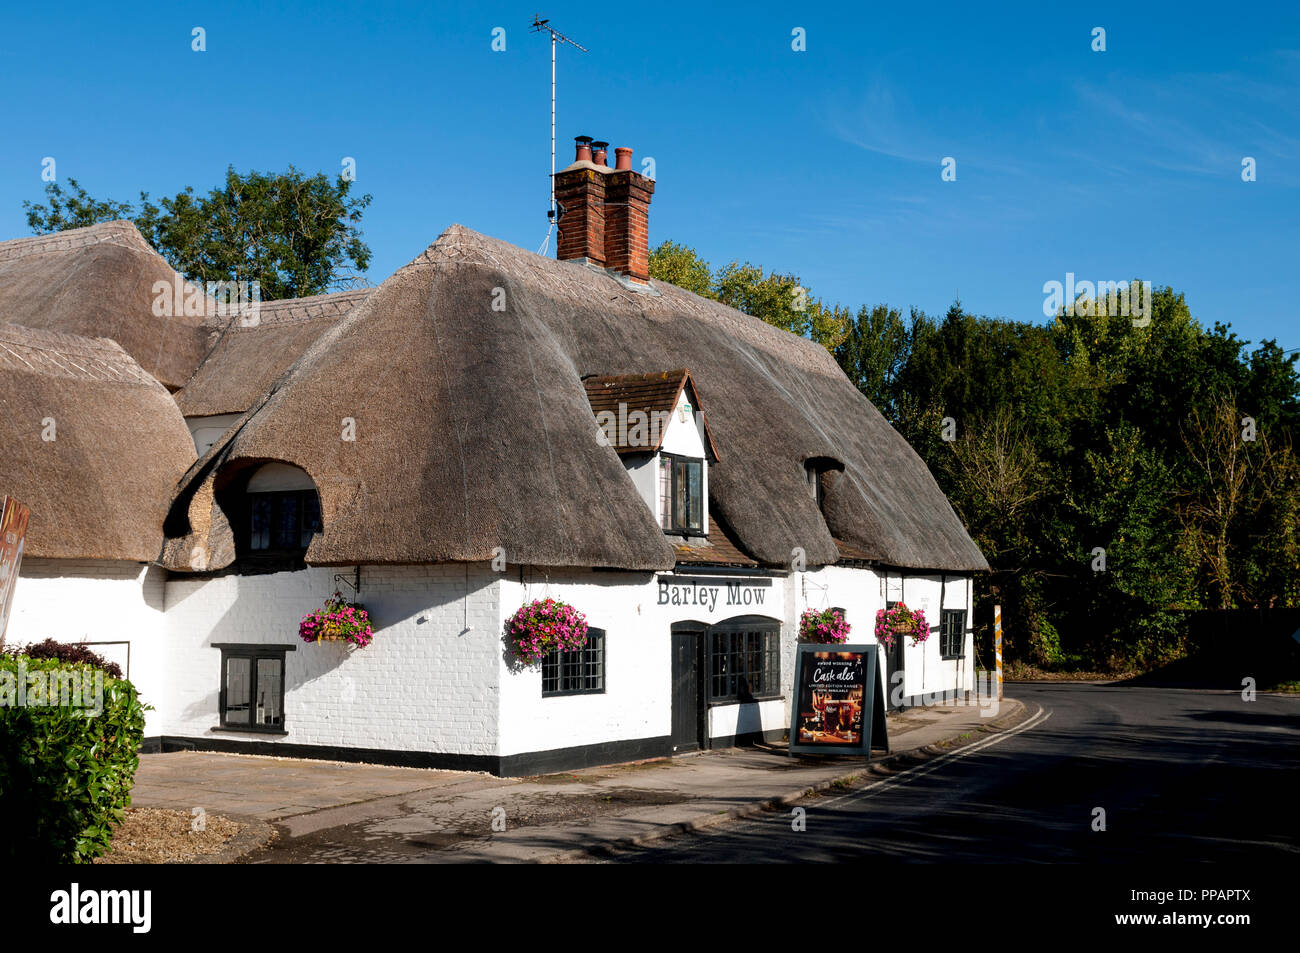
{"x": 337, "y": 621}
{"x": 899, "y": 622}
{"x": 544, "y": 625}
{"x": 824, "y": 626}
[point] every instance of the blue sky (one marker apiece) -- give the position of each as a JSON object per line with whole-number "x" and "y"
{"x": 824, "y": 163}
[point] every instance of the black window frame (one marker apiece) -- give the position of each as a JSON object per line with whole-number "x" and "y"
{"x": 670, "y": 523}
{"x": 946, "y": 633}
{"x": 737, "y": 682}
{"x": 255, "y": 653}
{"x": 564, "y": 670}
{"x": 278, "y": 500}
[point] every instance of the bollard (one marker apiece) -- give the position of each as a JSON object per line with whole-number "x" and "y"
{"x": 997, "y": 645}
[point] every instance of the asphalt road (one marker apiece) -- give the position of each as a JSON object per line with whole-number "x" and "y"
{"x": 1182, "y": 776}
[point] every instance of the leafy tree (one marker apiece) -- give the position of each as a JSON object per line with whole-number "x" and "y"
{"x": 778, "y": 299}
{"x": 73, "y": 209}
{"x": 681, "y": 266}
{"x": 874, "y": 351}
{"x": 296, "y": 235}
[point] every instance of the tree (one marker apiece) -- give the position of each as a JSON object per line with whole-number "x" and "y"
{"x": 778, "y": 299}
{"x": 874, "y": 351}
{"x": 683, "y": 267}
{"x": 1238, "y": 475}
{"x": 296, "y": 235}
{"x": 73, "y": 209}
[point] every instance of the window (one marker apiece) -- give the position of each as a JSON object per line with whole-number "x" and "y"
{"x": 282, "y": 521}
{"x": 814, "y": 483}
{"x": 581, "y": 672}
{"x": 251, "y": 697}
{"x": 744, "y": 661}
{"x": 952, "y": 633}
{"x": 821, "y": 473}
{"x": 681, "y": 493}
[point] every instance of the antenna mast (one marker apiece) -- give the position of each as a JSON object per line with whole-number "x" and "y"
{"x": 539, "y": 25}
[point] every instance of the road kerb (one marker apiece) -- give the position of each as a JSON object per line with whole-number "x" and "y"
{"x": 908, "y": 757}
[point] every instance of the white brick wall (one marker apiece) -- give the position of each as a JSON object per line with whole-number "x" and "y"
{"x": 437, "y": 677}
{"x": 637, "y": 702}
{"x": 925, "y": 670}
{"x": 97, "y": 601}
{"x": 426, "y": 683}
{"x": 637, "y": 699}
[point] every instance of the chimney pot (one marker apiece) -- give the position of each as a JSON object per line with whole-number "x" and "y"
{"x": 598, "y": 152}
{"x": 584, "y": 148}
{"x": 622, "y": 158}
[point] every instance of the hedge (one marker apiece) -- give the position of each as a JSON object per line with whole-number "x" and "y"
{"x": 69, "y": 742}
{"x": 70, "y": 652}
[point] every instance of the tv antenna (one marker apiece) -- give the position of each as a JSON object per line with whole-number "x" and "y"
{"x": 540, "y": 25}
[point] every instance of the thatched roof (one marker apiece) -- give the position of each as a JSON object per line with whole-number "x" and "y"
{"x": 98, "y": 282}
{"x": 473, "y": 428}
{"x": 100, "y": 488}
{"x": 248, "y": 358}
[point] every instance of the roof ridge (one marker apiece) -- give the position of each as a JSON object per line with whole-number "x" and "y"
{"x": 119, "y": 232}
{"x": 59, "y": 354}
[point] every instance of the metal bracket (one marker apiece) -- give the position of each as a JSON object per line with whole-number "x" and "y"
{"x": 354, "y": 583}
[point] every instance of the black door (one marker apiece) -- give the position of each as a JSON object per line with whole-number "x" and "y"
{"x": 688, "y": 710}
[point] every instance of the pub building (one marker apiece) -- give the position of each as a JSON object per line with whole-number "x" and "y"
{"x": 485, "y": 428}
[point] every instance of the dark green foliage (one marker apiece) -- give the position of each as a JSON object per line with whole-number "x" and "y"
{"x": 66, "y": 771}
{"x": 297, "y": 235}
{"x": 70, "y": 652}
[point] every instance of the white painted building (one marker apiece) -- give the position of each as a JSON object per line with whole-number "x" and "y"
{"x": 444, "y": 462}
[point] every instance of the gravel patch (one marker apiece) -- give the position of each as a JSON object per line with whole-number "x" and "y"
{"x": 154, "y": 836}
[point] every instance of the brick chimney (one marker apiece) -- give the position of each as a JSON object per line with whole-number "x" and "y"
{"x": 580, "y": 194}
{"x": 605, "y": 212}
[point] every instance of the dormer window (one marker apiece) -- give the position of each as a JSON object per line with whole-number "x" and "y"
{"x": 681, "y": 494}
{"x": 283, "y": 510}
{"x": 274, "y": 510}
{"x": 814, "y": 483}
{"x": 819, "y": 472}
{"x": 655, "y": 424}
{"x": 282, "y": 521}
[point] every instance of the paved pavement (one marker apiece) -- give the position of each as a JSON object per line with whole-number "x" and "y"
{"x": 273, "y": 789}
{"x": 1182, "y": 776}
{"x": 341, "y": 813}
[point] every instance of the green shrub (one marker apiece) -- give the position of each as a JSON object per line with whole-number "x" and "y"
{"x": 69, "y": 742}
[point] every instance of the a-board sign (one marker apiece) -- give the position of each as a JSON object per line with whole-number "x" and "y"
{"x": 836, "y": 705}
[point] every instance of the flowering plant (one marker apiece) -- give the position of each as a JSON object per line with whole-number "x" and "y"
{"x": 826, "y": 626}
{"x": 899, "y": 621}
{"x": 544, "y": 625}
{"x": 337, "y": 621}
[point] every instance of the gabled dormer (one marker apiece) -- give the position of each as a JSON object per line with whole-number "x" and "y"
{"x": 656, "y": 424}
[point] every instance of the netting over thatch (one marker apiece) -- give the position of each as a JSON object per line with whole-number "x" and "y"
{"x": 473, "y": 429}
{"x": 99, "y": 282}
{"x": 90, "y": 442}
